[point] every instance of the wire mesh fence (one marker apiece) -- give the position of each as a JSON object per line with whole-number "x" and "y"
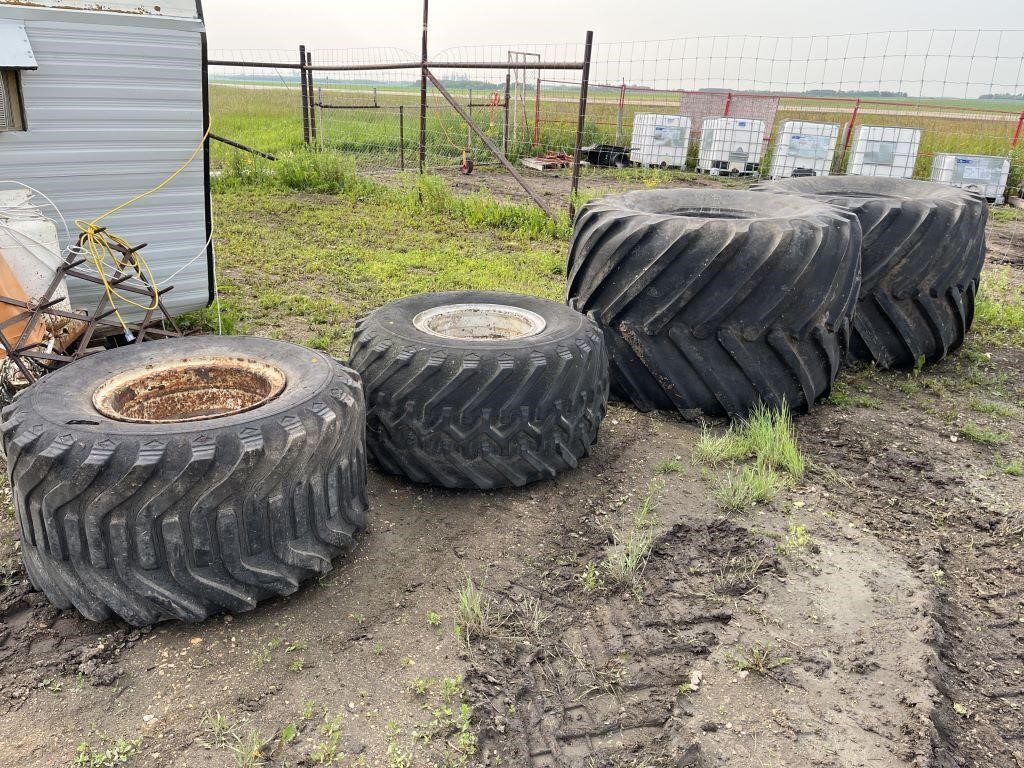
{"x": 939, "y": 104}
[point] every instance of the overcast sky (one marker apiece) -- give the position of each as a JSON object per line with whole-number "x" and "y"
{"x": 359, "y": 23}
{"x": 928, "y": 62}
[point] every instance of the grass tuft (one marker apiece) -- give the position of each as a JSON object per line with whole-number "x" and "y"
{"x": 668, "y": 466}
{"x": 762, "y": 658}
{"x": 972, "y": 431}
{"x": 992, "y": 408}
{"x": 628, "y": 556}
{"x": 767, "y": 435}
{"x": 476, "y": 614}
{"x": 750, "y": 485}
{"x": 999, "y": 309}
{"x": 842, "y": 397}
{"x": 1011, "y": 467}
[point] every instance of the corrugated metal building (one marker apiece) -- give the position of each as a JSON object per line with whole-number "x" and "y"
{"x": 103, "y": 102}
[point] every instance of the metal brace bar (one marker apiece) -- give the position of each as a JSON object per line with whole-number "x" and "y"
{"x": 490, "y": 145}
{"x": 555, "y": 65}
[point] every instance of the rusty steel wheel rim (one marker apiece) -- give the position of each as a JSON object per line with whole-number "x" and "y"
{"x": 189, "y": 389}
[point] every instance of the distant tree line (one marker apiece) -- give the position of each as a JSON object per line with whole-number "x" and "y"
{"x": 816, "y": 92}
{"x": 869, "y": 94}
{"x": 1003, "y": 96}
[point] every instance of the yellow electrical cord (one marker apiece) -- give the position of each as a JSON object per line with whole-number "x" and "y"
{"x": 99, "y": 244}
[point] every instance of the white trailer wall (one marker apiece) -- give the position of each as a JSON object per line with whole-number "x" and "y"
{"x": 117, "y": 104}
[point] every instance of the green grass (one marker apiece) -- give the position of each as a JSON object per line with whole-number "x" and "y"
{"x": 627, "y": 558}
{"x": 768, "y": 438}
{"x": 842, "y": 397}
{"x": 999, "y": 308}
{"x": 762, "y": 658}
{"x": 668, "y": 466}
{"x": 992, "y": 408}
{"x": 1004, "y": 213}
{"x": 331, "y": 173}
{"x": 1011, "y": 467}
{"x": 476, "y": 613}
{"x": 750, "y": 485}
{"x": 767, "y": 435}
{"x": 978, "y": 434}
{"x": 305, "y": 267}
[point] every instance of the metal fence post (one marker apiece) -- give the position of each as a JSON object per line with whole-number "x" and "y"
{"x": 423, "y": 94}
{"x": 536, "y": 110}
{"x": 491, "y": 146}
{"x": 504, "y": 127}
{"x": 1016, "y": 133}
{"x": 401, "y": 137}
{"x": 622, "y": 109}
{"x": 848, "y": 136}
{"x": 305, "y": 94}
{"x": 584, "y": 85}
{"x": 310, "y": 100}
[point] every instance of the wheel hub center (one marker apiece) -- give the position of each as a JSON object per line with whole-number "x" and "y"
{"x": 480, "y": 322}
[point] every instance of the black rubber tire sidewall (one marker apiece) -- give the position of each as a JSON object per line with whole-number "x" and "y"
{"x": 484, "y": 414}
{"x": 162, "y": 521}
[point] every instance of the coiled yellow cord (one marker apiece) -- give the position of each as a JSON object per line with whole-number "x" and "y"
{"x": 99, "y": 244}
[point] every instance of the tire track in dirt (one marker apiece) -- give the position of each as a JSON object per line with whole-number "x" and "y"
{"x": 607, "y": 686}
{"x": 611, "y": 680}
{"x": 939, "y": 505}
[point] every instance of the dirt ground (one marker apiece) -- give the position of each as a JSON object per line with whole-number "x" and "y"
{"x": 872, "y": 615}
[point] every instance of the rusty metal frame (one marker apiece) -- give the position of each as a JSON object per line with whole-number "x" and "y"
{"x": 574, "y": 185}
{"x": 35, "y": 311}
{"x": 243, "y": 147}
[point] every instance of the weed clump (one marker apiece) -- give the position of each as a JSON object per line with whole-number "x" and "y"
{"x": 768, "y": 438}
{"x": 999, "y": 309}
{"x": 476, "y": 613}
{"x": 767, "y": 435}
{"x": 627, "y": 558}
{"x": 762, "y": 658}
{"x": 978, "y": 434}
{"x": 752, "y": 484}
{"x": 1011, "y": 467}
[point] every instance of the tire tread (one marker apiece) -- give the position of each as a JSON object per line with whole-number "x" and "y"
{"x": 182, "y": 528}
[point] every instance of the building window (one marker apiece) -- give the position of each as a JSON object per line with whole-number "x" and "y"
{"x": 12, "y": 112}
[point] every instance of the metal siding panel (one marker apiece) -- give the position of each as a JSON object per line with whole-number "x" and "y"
{"x": 114, "y": 108}
{"x": 15, "y": 50}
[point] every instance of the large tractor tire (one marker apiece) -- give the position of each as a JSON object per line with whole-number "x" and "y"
{"x": 713, "y": 301}
{"x": 473, "y": 389}
{"x": 923, "y": 249}
{"x": 182, "y": 478}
